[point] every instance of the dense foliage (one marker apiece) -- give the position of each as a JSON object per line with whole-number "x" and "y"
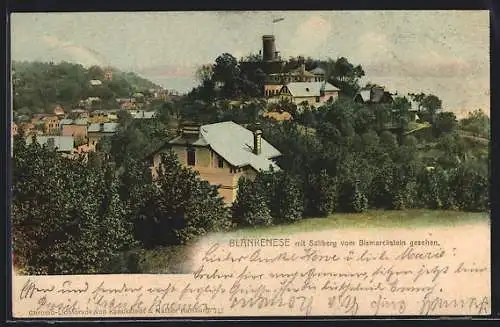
{"x": 341, "y": 157}
{"x": 62, "y": 208}
{"x": 38, "y": 86}
{"x": 180, "y": 207}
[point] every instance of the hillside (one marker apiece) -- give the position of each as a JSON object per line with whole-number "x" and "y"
{"x": 38, "y": 86}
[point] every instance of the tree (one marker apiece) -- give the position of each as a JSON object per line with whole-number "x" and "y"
{"x": 204, "y": 73}
{"x": 445, "y": 122}
{"x": 77, "y": 211}
{"x": 282, "y": 195}
{"x": 124, "y": 118}
{"x": 428, "y": 105}
{"x": 320, "y": 194}
{"x": 250, "y": 207}
{"x": 478, "y": 123}
{"x": 181, "y": 207}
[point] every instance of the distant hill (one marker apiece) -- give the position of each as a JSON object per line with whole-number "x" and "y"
{"x": 38, "y": 86}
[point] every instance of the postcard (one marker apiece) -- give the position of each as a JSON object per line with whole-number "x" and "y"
{"x": 250, "y": 164}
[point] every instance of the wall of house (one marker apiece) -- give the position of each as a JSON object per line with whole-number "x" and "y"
{"x": 74, "y": 130}
{"x": 333, "y": 94}
{"x": 309, "y": 100}
{"x": 208, "y": 168}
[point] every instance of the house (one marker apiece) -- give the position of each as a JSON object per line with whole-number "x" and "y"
{"x": 27, "y": 128}
{"x": 51, "y": 125}
{"x": 372, "y": 95}
{"x": 64, "y": 144}
{"x": 96, "y": 131}
{"x": 141, "y": 114}
{"x": 75, "y": 128}
{"x": 108, "y": 76}
{"x": 80, "y": 113}
{"x": 104, "y": 116}
{"x": 319, "y": 74}
{"x": 58, "y": 111}
{"x": 314, "y": 93}
{"x": 275, "y": 81}
{"x": 221, "y": 153}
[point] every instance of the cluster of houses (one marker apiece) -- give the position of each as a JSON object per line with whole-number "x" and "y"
{"x": 76, "y": 132}
{"x": 221, "y": 152}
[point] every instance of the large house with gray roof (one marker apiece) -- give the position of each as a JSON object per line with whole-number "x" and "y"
{"x": 221, "y": 153}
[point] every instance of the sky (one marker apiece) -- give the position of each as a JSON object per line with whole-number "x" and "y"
{"x": 445, "y": 53}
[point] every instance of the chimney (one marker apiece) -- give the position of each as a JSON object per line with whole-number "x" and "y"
{"x": 257, "y": 142}
{"x": 191, "y": 130}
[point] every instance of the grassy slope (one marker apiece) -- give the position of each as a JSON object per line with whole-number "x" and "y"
{"x": 370, "y": 219}
{"x": 170, "y": 260}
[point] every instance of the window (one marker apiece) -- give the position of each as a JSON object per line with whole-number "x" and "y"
{"x": 191, "y": 157}
{"x": 220, "y": 162}
{"x": 317, "y": 99}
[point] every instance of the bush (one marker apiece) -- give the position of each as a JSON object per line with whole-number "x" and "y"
{"x": 250, "y": 207}
{"x": 351, "y": 198}
{"x": 320, "y": 194}
{"x": 283, "y": 195}
{"x": 470, "y": 189}
{"x": 428, "y": 189}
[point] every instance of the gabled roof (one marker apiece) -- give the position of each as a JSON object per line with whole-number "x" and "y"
{"x": 62, "y": 143}
{"x": 365, "y": 95}
{"x": 309, "y": 89}
{"x": 235, "y": 144}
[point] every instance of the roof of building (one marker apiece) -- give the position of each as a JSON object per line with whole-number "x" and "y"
{"x": 235, "y": 144}
{"x": 103, "y": 127}
{"x": 95, "y": 82}
{"x": 80, "y": 121}
{"x": 308, "y": 89}
{"x": 96, "y": 127}
{"x": 318, "y": 71}
{"x": 110, "y": 127}
{"x": 300, "y": 72}
{"x": 66, "y": 122}
{"x": 365, "y": 95}
{"x": 62, "y": 143}
{"x": 141, "y": 114}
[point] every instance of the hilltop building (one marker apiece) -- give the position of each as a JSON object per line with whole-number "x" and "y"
{"x": 273, "y": 67}
{"x": 221, "y": 153}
